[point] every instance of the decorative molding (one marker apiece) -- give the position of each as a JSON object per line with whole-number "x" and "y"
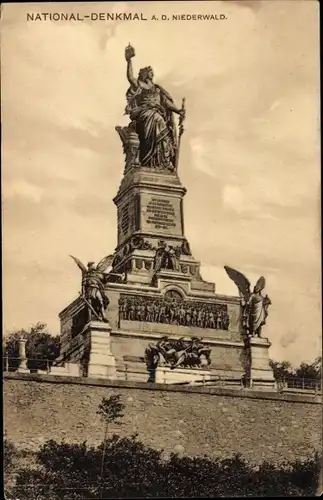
{"x": 122, "y": 384}
{"x": 155, "y": 336}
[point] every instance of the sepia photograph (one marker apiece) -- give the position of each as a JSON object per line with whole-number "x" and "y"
{"x": 161, "y": 249}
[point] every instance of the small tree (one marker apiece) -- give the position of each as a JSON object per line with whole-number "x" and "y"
{"x": 40, "y": 346}
{"x": 110, "y": 411}
{"x": 312, "y": 371}
{"x": 282, "y": 370}
{"x": 311, "y": 374}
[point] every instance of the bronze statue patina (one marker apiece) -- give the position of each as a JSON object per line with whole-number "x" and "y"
{"x": 167, "y": 257}
{"x": 254, "y": 304}
{"x": 151, "y": 110}
{"x": 171, "y": 309}
{"x": 178, "y": 353}
{"x": 93, "y": 280}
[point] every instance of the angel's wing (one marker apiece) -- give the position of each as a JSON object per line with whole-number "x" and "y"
{"x": 261, "y": 283}
{"x": 105, "y": 263}
{"x": 240, "y": 280}
{"x": 79, "y": 264}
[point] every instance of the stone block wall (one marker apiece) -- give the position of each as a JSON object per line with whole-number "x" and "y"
{"x": 198, "y": 421}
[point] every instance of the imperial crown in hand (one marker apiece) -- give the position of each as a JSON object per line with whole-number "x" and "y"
{"x": 129, "y": 52}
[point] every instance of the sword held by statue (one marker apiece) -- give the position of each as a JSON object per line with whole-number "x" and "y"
{"x": 180, "y": 133}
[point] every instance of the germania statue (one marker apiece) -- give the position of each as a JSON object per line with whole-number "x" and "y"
{"x": 254, "y": 304}
{"x": 151, "y": 110}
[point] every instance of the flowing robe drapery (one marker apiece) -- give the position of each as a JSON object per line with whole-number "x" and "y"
{"x": 93, "y": 287}
{"x": 149, "y": 109}
{"x": 256, "y": 312}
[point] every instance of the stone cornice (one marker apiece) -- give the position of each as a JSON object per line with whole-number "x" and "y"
{"x": 73, "y": 307}
{"x": 168, "y": 189}
{"x": 157, "y": 335}
{"x": 154, "y": 236}
{"x": 207, "y": 391}
{"x": 155, "y": 291}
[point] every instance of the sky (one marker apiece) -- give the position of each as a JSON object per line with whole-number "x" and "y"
{"x": 249, "y": 153}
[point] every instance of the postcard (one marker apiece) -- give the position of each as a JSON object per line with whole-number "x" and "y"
{"x": 161, "y": 248}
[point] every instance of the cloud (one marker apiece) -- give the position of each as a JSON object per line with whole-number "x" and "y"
{"x": 288, "y": 339}
{"x": 234, "y": 198}
{"x": 249, "y": 154}
{"x": 23, "y": 189}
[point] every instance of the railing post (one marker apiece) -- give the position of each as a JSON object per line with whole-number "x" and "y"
{"x": 6, "y": 363}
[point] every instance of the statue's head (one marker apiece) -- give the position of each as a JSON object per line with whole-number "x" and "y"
{"x": 90, "y": 265}
{"x": 146, "y": 73}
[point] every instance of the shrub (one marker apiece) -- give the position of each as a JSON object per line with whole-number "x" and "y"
{"x": 9, "y": 455}
{"x": 133, "y": 470}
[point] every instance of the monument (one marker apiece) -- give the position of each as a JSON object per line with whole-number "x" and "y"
{"x": 145, "y": 313}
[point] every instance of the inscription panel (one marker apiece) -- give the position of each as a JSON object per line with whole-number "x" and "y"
{"x": 161, "y": 214}
{"x": 125, "y": 221}
{"x": 137, "y": 210}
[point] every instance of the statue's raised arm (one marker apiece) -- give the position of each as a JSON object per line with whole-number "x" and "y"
{"x": 129, "y": 53}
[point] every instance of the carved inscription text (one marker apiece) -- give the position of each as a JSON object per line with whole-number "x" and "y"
{"x": 161, "y": 213}
{"x": 125, "y": 219}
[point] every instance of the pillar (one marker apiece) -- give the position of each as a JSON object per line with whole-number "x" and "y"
{"x": 102, "y": 363}
{"x": 22, "y": 356}
{"x": 261, "y": 374}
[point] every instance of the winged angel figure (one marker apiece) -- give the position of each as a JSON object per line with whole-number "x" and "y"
{"x": 93, "y": 281}
{"x": 254, "y": 304}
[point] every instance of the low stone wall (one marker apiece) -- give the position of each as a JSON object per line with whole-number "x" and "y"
{"x": 192, "y": 420}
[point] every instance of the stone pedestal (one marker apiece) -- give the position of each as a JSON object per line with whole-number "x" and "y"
{"x": 261, "y": 374}
{"x": 162, "y": 293}
{"x": 164, "y": 375}
{"x": 101, "y": 363}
